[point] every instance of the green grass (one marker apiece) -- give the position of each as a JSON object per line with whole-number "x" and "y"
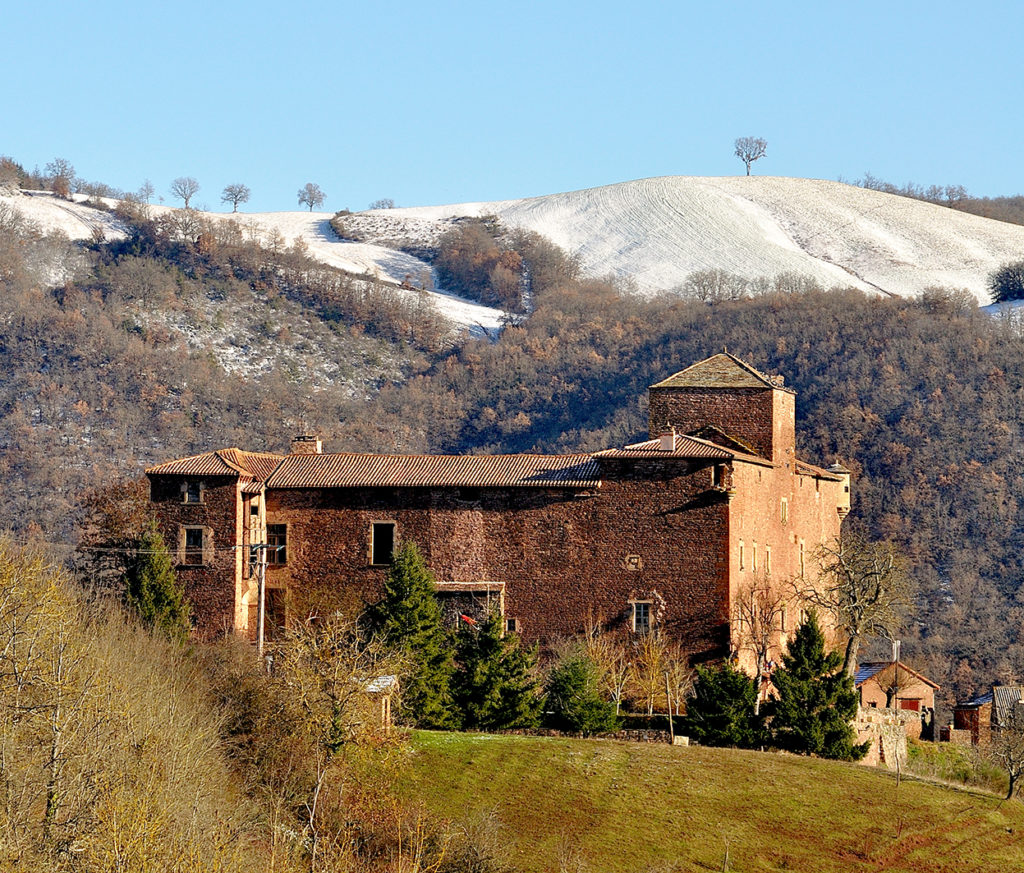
{"x": 597, "y": 806}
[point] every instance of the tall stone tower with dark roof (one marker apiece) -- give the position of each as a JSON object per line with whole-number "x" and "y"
{"x": 724, "y": 393}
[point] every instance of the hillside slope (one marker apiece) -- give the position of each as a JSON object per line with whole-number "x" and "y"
{"x": 658, "y": 231}
{"x": 613, "y": 807}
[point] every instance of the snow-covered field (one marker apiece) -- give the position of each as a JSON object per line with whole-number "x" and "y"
{"x": 658, "y": 231}
{"x": 79, "y": 221}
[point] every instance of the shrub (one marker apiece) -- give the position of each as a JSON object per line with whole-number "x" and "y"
{"x": 574, "y": 699}
{"x": 1007, "y": 283}
{"x": 721, "y": 710}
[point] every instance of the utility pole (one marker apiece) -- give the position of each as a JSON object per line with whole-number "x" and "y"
{"x": 668, "y": 704}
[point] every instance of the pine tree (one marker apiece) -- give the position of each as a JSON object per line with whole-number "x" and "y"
{"x": 408, "y": 620}
{"x": 721, "y": 710}
{"x": 574, "y": 696}
{"x": 816, "y": 699}
{"x": 152, "y": 590}
{"x": 495, "y": 686}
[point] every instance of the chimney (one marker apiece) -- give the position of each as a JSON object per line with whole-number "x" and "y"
{"x": 668, "y": 441}
{"x": 307, "y": 444}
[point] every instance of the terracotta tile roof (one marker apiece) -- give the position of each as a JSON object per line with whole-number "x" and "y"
{"x": 486, "y": 471}
{"x": 224, "y": 462}
{"x": 684, "y": 447}
{"x": 722, "y": 371}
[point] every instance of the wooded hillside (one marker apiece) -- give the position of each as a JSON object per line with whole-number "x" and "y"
{"x": 921, "y": 399}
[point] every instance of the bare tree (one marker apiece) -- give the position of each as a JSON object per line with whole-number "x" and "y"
{"x": 1007, "y": 747}
{"x": 758, "y": 609}
{"x": 61, "y": 174}
{"x": 863, "y": 587}
{"x": 750, "y": 149}
{"x": 383, "y": 203}
{"x": 234, "y": 194}
{"x": 612, "y": 660}
{"x": 184, "y": 188}
{"x": 146, "y": 191}
{"x": 311, "y": 195}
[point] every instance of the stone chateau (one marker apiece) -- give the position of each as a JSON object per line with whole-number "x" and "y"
{"x": 657, "y": 534}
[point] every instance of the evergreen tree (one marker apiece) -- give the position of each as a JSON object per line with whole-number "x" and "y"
{"x": 152, "y": 590}
{"x": 721, "y": 710}
{"x": 408, "y": 620}
{"x": 816, "y": 699}
{"x": 574, "y": 697}
{"x": 495, "y": 686}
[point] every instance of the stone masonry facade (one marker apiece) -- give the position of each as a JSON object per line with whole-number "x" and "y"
{"x": 661, "y": 534}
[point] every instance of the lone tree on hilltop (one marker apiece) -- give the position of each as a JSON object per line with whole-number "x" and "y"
{"x": 311, "y": 195}
{"x": 185, "y": 188}
{"x": 61, "y": 174}
{"x": 1007, "y": 283}
{"x": 750, "y": 149}
{"x": 234, "y": 194}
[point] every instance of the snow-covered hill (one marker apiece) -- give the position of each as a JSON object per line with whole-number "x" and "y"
{"x": 80, "y": 221}
{"x": 658, "y": 231}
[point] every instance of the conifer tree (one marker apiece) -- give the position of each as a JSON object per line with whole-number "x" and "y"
{"x": 816, "y": 699}
{"x": 721, "y": 710}
{"x": 495, "y": 686}
{"x": 152, "y": 590}
{"x": 574, "y": 696}
{"x": 408, "y": 620}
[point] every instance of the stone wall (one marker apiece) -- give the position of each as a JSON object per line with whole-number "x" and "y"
{"x": 653, "y": 532}
{"x": 211, "y": 586}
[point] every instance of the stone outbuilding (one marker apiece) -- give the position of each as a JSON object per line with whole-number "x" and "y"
{"x": 658, "y": 534}
{"x": 974, "y": 721}
{"x": 894, "y": 685}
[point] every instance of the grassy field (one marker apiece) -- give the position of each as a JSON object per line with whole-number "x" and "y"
{"x": 597, "y": 806}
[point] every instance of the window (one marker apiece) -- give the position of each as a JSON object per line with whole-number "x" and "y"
{"x": 782, "y": 619}
{"x": 382, "y": 542}
{"x": 277, "y": 544}
{"x": 767, "y": 559}
{"x": 753, "y": 557}
{"x": 641, "y": 617}
{"x": 718, "y": 476}
{"x": 801, "y": 557}
{"x": 785, "y": 510}
{"x": 193, "y": 552}
{"x": 511, "y": 626}
{"x": 742, "y": 566}
{"x": 193, "y": 492}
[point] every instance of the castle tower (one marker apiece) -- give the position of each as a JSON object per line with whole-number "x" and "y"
{"x": 725, "y": 393}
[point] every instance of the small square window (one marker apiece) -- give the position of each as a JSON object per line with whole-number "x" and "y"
{"x": 641, "y": 617}
{"x": 382, "y": 543}
{"x": 511, "y": 626}
{"x": 277, "y": 544}
{"x": 193, "y": 492}
{"x": 193, "y": 555}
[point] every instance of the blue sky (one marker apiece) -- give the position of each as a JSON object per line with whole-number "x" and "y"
{"x": 449, "y": 102}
